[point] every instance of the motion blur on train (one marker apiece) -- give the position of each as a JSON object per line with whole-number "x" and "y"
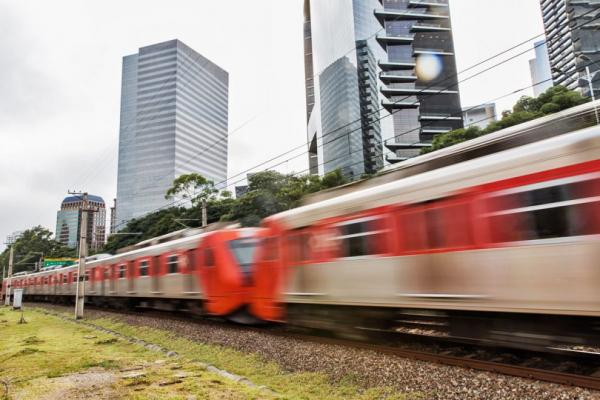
{"x": 493, "y": 239}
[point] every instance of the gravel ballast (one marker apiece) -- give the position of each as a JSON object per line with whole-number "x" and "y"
{"x": 367, "y": 367}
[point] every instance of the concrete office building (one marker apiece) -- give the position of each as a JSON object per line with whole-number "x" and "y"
{"x": 539, "y": 67}
{"x": 573, "y": 40}
{"x": 68, "y": 222}
{"x": 479, "y": 116}
{"x": 368, "y": 59}
{"x": 174, "y": 120}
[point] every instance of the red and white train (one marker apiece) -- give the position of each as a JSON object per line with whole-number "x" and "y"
{"x": 504, "y": 246}
{"x": 204, "y": 273}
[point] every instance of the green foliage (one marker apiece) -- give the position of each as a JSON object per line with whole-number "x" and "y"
{"x": 527, "y": 108}
{"x": 28, "y": 247}
{"x": 193, "y": 186}
{"x": 269, "y": 192}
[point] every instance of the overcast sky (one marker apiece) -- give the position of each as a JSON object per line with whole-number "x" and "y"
{"x": 60, "y": 65}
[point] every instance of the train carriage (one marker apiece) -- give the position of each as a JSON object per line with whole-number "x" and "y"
{"x": 203, "y": 273}
{"x": 503, "y": 245}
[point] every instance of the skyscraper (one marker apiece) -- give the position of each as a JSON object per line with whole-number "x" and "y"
{"x": 539, "y": 67}
{"x": 174, "y": 120}
{"x": 377, "y": 72}
{"x": 573, "y": 40}
{"x": 68, "y": 222}
{"x": 419, "y": 78}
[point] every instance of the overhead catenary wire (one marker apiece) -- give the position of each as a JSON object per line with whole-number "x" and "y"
{"x": 183, "y": 201}
{"x": 418, "y": 93}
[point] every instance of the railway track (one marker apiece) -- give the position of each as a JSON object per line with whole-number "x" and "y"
{"x": 555, "y": 365}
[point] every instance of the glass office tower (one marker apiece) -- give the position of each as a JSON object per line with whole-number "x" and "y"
{"x": 174, "y": 120}
{"x": 573, "y": 41}
{"x": 377, "y": 72}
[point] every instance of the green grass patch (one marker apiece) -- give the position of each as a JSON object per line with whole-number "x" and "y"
{"x": 50, "y": 357}
{"x": 302, "y": 385}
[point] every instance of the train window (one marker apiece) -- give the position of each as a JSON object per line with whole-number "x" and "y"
{"x": 360, "y": 237}
{"x": 209, "y": 257}
{"x": 191, "y": 260}
{"x": 144, "y": 268}
{"x": 65, "y": 278}
{"x": 299, "y": 246}
{"x": 172, "y": 266}
{"x": 270, "y": 249}
{"x": 243, "y": 250}
{"x": 86, "y": 276}
{"x": 569, "y": 208}
{"x": 122, "y": 269}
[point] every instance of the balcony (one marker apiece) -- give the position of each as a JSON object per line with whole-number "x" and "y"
{"x": 434, "y": 131}
{"x": 413, "y": 91}
{"x": 388, "y": 66}
{"x": 406, "y": 146}
{"x": 439, "y": 117}
{"x": 428, "y": 28}
{"x": 425, "y": 3}
{"x": 393, "y": 158}
{"x": 437, "y": 52}
{"x": 399, "y": 15}
{"x": 400, "y": 104}
{"x": 397, "y": 78}
{"x": 385, "y": 39}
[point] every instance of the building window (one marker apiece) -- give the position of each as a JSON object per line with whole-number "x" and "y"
{"x": 172, "y": 267}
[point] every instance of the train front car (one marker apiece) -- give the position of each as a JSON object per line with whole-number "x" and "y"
{"x": 503, "y": 248}
{"x": 227, "y": 272}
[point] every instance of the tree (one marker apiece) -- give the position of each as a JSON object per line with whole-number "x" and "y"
{"x": 192, "y": 186}
{"x": 556, "y": 98}
{"x": 31, "y": 245}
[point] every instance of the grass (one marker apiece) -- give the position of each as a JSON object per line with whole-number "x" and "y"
{"x": 51, "y": 358}
{"x": 105, "y": 352}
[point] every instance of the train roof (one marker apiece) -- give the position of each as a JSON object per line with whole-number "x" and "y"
{"x": 562, "y": 122}
{"x": 567, "y": 149}
{"x": 186, "y": 242}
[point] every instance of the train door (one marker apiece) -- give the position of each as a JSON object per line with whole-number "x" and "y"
{"x": 155, "y": 271}
{"x": 104, "y": 271}
{"x": 130, "y": 276}
{"x": 190, "y": 283}
{"x": 112, "y": 278}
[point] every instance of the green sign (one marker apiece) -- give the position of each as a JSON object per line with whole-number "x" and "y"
{"x": 51, "y": 262}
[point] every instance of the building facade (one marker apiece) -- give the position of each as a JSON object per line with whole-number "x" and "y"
{"x": 480, "y": 115}
{"x": 573, "y": 40}
{"x": 68, "y": 222}
{"x": 174, "y": 121}
{"x": 380, "y": 80}
{"x": 539, "y": 67}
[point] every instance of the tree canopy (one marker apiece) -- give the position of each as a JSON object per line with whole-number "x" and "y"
{"x": 527, "y": 108}
{"x": 30, "y": 246}
{"x": 269, "y": 192}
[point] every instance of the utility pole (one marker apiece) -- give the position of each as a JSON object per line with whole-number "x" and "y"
{"x": 80, "y": 288}
{"x": 204, "y": 217}
{"x": 9, "y": 278}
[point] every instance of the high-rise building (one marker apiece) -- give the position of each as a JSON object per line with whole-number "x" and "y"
{"x": 377, "y": 71}
{"x": 480, "y": 115}
{"x": 419, "y": 77}
{"x": 539, "y": 67}
{"x": 174, "y": 121}
{"x": 113, "y": 217}
{"x": 573, "y": 40}
{"x": 68, "y": 222}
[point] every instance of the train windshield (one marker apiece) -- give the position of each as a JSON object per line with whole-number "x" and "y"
{"x": 244, "y": 250}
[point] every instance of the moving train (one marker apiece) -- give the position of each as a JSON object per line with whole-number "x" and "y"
{"x": 504, "y": 246}
{"x": 201, "y": 272}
